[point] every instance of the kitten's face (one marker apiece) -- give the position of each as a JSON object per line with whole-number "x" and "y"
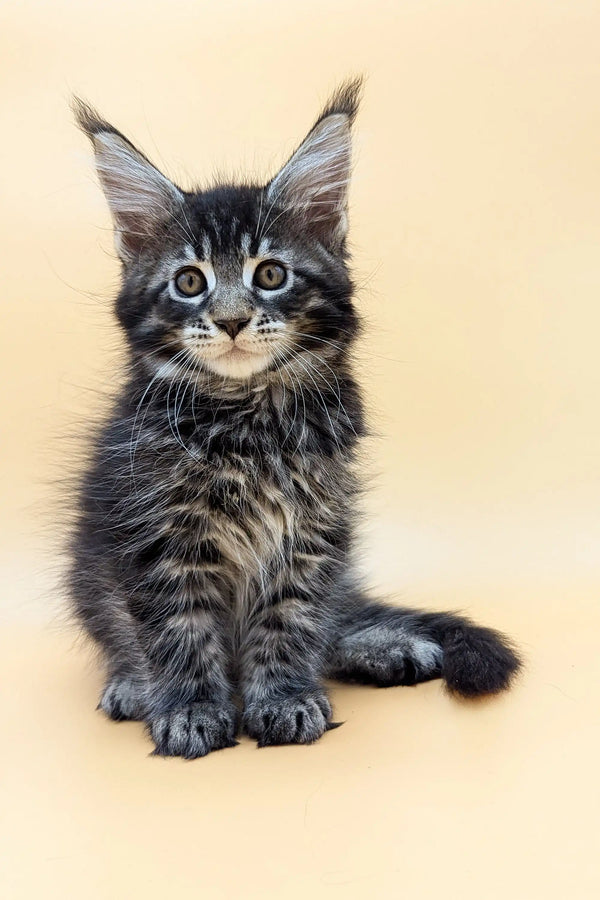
{"x": 238, "y": 279}
{"x": 238, "y": 287}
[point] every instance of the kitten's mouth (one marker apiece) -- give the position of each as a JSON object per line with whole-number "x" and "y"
{"x": 236, "y": 362}
{"x": 236, "y": 352}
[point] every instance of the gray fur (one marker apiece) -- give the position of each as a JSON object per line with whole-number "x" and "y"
{"x": 213, "y": 552}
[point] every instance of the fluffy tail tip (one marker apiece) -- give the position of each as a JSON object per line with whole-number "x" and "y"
{"x": 478, "y": 661}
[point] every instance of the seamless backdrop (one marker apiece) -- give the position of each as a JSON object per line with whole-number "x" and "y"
{"x": 476, "y": 230}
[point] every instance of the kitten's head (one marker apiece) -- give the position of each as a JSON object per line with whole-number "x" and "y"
{"x": 238, "y": 279}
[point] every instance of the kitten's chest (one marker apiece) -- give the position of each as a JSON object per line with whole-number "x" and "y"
{"x": 257, "y": 511}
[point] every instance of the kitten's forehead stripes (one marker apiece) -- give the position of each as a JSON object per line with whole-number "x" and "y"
{"x": 226, "y": 219}
{"x": 206, "y": 246}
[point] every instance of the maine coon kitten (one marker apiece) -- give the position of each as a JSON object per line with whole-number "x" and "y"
{"x": 212, "y": 559}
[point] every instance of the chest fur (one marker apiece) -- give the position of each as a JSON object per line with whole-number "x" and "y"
{"x": 239, "y": 495}
{"x": 259, "y": 513}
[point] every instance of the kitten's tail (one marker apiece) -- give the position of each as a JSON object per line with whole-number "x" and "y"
{"x": 477, "y": 660}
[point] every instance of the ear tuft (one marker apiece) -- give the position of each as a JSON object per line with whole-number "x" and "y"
{"x": 346, "y": 99}
{"x": 88, "y": 118}
{"x": 141, "y": 199}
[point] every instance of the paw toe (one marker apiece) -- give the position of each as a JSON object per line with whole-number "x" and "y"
{"x": 293, "y": 720}
{"x": 194, "y": 730}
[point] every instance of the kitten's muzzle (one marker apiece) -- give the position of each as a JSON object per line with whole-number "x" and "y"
{"x": 231, "y": 326}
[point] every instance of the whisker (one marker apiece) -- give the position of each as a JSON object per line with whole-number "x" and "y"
{"x": 133, "y": 440}
{"x": 337, "y": 391}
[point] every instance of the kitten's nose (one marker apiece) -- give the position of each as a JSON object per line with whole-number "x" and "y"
{"x": 231, "y": 326}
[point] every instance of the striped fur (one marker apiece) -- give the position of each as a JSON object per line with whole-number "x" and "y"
{"x": 212, "y": 559}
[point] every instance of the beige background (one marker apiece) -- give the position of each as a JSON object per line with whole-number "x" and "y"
{"x": 476, "y": 227}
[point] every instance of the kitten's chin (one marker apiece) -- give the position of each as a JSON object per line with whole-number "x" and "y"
{"x": 237, "y": 363}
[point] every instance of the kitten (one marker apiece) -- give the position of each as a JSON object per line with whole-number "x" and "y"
{"x": 212, "y": 558}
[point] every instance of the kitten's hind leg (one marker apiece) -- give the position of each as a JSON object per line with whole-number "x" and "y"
{"x": 380, "y": 645}
{"x": 386, "y": 645}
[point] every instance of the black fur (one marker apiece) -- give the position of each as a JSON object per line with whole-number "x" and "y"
{"x": 212, "y": 559}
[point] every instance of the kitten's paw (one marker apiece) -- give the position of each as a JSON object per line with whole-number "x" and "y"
{"x": 375, "y": 657}
{"x": 292, "y": 720}
{"x": 194, "y": 730}
{"x": 123, "y": 698}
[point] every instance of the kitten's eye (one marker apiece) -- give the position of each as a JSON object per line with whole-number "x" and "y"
{"x": 269, "y": 275}
{"x": 190, "y": 281}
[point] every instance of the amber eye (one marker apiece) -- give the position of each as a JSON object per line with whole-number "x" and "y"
{"x": 190, "y": 281}
{"x": 269, "y": 275}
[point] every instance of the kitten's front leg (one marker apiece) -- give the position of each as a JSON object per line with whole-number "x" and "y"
{"x": 190, "y": 709}
{"x": 281, "y": 664}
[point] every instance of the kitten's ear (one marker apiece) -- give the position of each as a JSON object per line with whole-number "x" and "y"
{"x": 314, "y": 181}
{"x": 141, "y": 199}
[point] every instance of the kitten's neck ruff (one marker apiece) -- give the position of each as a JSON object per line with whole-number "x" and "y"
{"x": 300, "y": 376}
{"x": 264, "y": 415}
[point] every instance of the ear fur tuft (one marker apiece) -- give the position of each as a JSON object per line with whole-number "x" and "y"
{"x": 345, "y": 100}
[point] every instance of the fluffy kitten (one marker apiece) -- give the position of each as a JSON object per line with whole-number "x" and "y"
{"x": 212, "y": 559}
